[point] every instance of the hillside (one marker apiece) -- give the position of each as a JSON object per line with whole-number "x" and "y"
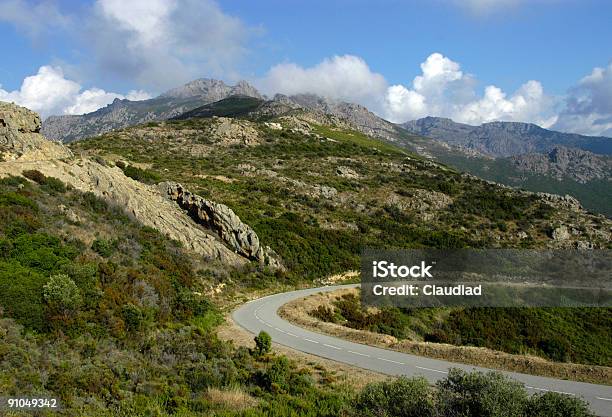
{"x": 300, "y": 185}
{"x": 123, "y": 113}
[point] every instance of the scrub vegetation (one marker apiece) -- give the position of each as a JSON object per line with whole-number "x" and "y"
{"x": 577, "y": 335}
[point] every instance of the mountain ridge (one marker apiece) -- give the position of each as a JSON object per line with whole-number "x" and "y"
{"x": 504, "y": 139}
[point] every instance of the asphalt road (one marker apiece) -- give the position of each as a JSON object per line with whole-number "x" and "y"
{"x": 261, "y": 314}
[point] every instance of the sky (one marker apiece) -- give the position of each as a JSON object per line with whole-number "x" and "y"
{"x": 547, "y": 62}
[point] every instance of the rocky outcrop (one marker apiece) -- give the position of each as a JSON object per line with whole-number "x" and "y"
{"x": 424, "y": 204}
{"x": 144, "y": 202}
{"x": 224, "y": 222}
{"x": 20, "y": 137}
{"x": 564, "y": 201}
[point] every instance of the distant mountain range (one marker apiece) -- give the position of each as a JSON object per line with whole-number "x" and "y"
{"x": 504, "y": 139}
{"x": 523, "y": 155}
{"x": 123, "y": 113}
{"x": 518, "y": 154}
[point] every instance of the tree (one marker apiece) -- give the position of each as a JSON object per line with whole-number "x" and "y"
{"x": 62, "y": 295}
{"x": 263, "y": 343}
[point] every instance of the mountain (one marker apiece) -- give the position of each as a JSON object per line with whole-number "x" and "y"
{"x": 123, "y": 113}
{"x": 504, "y": 139}
{"x": 522, "y": 155}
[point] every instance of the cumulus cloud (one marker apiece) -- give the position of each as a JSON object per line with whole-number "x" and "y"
{"x": 162, "y": 43}
{"x": 588, "y": 106}
{"x": 346, "y": 77}
{"x": 443, "y": 89}
{"x": 49, "y": 92}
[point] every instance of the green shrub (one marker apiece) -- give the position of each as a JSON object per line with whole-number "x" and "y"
{"x": 553, "y": 404}
{"x": 35, "y": 176}
{"x": 62, "y": 295}
{"x": 402, "y": 397}
{"x": 263, "y": 343}
{"x": 480, "y": 394}
{"x": 132, "y": 316}
{"x": 103, "y": 247}
{"x": 146, "y": 176}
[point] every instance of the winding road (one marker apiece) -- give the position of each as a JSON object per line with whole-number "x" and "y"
{"x": 261, "y": 314}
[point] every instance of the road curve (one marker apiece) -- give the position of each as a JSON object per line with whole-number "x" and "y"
{"x": 261, "y": 314}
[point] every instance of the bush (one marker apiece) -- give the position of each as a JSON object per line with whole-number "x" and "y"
{"x": 103, "y": 247}
{"x": 479, "y": 394}
{"x": 132, "y": 316}
{"x": 34, "y": 175}
{"x": 50, "y": 183}
{"x": 402, "y": 397}
{"x": 552, "y": 404}
{"x": 263, "y": 343}
{"x": 62, "y": 295}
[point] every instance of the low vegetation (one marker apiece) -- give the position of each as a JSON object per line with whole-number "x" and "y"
{"x": 578, "y": 335}
{"x": 462, "y": 394}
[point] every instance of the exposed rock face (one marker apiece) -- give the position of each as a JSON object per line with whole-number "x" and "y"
{"x": 504, "y": 139}
{"x": 124, "y": 113}
{"x": 227, "y": 132}
{"x": 581, "y": 166}
{"x": 20, "y": 137}
{"x": 355, "y": 116}
{"x": 561, "y": 233}
{"x": 223, "y": 221}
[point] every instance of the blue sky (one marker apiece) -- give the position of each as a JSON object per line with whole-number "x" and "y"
{"x": 542, "y": 61}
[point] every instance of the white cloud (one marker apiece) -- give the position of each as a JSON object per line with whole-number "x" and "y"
{"x": 443, "y": 89}
{"x": 344, "y": 77}
{"x": 163, "y": 43}
{"x": 588, "y": 105}
{"x": 49, "y": 92}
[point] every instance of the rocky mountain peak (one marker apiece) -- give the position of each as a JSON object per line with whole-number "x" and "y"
{"x": 211, "y": 89}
